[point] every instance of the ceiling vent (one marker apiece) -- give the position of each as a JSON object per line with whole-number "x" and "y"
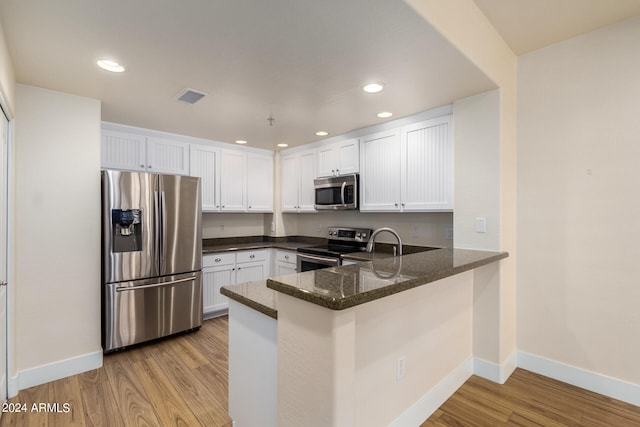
{"x": 190, "y": 96}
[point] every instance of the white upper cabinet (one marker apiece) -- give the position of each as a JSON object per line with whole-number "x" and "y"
{"x": 204, "y": 164}
{"x": 259, "y": 183}
{"x": 380, "y": 171}
{"x": 121, "y": 150}
{"x": 408, "y": 169}
{"x": 129, "y": 151}
{"x": 233, "y": 181}
{"x": 427, "y": 165}
{"x": 298, "y": 173}
{"x": 339, "y": 158}
{"x": 167, "y": 156}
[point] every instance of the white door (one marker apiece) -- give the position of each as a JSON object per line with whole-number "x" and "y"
{"x": 233, "y": 166}
{"x": 260, "y": 183}
{"x": 4, "y": 131}
{"x": 204, "y": 164}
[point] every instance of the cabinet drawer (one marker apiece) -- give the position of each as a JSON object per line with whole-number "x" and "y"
{"x": 247, "y": 256}
{"x": 286, "y": 256}
{"x": 212, "y": 260}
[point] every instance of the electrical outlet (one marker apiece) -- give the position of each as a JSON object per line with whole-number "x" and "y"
{"x": 221, "y": 227}
{"x": 449, "y": 234}
{"x": 415, "y": 232}
{"x": 401, "y": 365}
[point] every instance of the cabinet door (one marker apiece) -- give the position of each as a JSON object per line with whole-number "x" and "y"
{"x": 259, "y": 183}
{"x": 284, "y": 268}
{"x": 338, "y": 158}
{"x": 289, "y": 185}
{"x": 213, "y": 278}
{"x": 167, "y": 156}
{"x": 347, "y": 154}
{"x": 427, "y": 163}
{"x": 327, "y": 160}
{"x": 204, "y": 164}
{"x": 120, "y": 150}
{"x": 306, "y": 187}
{"x": 380, "y": 172}
{"x": 233, "y": 172}
{"x": 250, "y": 271}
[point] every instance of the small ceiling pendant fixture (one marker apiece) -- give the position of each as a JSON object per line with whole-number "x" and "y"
{"x": 190, "y": 96}
{"x": 373, "y": 87}
{"x": 271, "y": 120}
{"x": 110, "y": 65}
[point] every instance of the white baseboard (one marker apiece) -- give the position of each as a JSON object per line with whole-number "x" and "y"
{"x": 494, "y": 372}
{"x": 12, "y": 387}
{"x": 434, "y": 398}
{"x": 59, "y": 369}
{"x": 598, "y": 383}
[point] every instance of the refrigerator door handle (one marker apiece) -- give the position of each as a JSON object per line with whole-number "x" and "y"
{"x": 154, "y": 285}
{"x": 157, "y": 222}
{"x": 163, "y": 230}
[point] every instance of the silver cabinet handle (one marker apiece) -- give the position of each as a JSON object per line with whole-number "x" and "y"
{"x": 249, "y": 206}
{"x": 218, "y": 259}
{"x": 286, "y": 257}
{"x": 403, "y": 205}
{"x": 142, "y": 166}
{"x": 3, "y": 283}
{"x": 395, "y": 204}
{"x": 252, "y": 256}
{"x": 150, "y": 166}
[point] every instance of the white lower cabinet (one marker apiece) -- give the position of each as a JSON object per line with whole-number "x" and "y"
{"x": 285, "y": 262}
{"x": 228, "y": 268}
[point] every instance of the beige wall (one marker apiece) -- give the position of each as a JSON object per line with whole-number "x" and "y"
{"x": 578, "y": 202}
{"x": 57, "y": 229}
{"x": 421, "y": 229}
{"x": 466, "y": 28}
{"x": 217, "y": 225}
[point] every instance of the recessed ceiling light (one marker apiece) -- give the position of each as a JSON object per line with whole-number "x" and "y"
{"x": 322, "y": 133}
{"x": 283, "y": 145}
{"x": 384, "y": 114}
{"x": 373, "y": 87}
{"x": 109, "y": 65}
{"x": 241, "y": 141}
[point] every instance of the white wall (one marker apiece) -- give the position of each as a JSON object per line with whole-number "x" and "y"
{"x": 579, "y": 204}
{"x": 57, "y": 175}
{"x": 7, "y": 77}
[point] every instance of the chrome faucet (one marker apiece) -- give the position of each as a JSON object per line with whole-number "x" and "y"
{"x": 372, "y": 239}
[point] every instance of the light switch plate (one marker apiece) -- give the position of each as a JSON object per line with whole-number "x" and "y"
{"x": 481, "y": 225}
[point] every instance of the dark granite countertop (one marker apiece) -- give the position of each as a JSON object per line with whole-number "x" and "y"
{"x": 338, "y": 288}
{"x": 258, "y": 242}
{"x": 255, "y": 295}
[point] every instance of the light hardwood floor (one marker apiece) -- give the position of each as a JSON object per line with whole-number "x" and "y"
{"x": 182, "y": 381}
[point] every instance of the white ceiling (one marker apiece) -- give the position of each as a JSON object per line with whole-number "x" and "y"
{"x": 302, "y": 61}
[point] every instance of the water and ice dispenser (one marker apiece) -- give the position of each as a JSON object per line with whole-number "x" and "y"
{"x": 126, "y": 230}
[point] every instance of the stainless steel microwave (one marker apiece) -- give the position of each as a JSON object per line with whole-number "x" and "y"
{"x": 336, "y": 192}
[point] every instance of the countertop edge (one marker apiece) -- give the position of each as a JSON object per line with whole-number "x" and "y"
{"x": 269, "y": 311}
{"x": 352, "y": 301}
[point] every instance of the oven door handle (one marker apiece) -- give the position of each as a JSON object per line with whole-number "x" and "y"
{"x": 344, "y": 185}
{"x": 321, "y": 260}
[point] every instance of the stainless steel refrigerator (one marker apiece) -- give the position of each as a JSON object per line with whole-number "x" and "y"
{"x": 151, "y": 256}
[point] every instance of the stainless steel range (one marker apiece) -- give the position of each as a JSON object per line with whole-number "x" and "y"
{"x": 342, "y": 240}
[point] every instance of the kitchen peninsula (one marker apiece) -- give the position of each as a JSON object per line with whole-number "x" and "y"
{"x": 376, "y": 343}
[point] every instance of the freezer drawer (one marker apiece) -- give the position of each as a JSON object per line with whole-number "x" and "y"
{"x": 143, "y": 310}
